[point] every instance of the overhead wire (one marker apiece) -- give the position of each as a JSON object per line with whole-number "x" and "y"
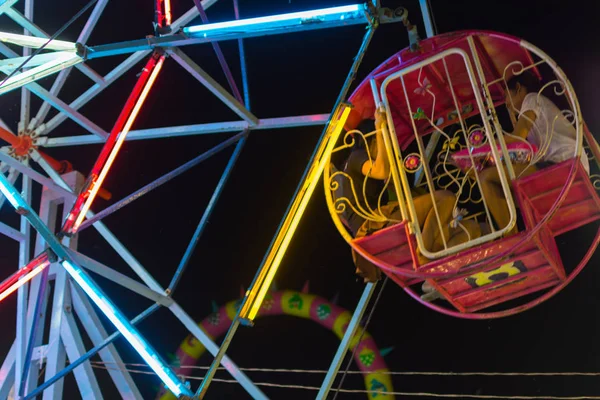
{"x": 364, "y": 329}
{"x": 401, "y": 373}
{"x": 359, "y": 391}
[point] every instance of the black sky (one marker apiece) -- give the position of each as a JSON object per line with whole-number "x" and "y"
{"x": 300, "y": 74}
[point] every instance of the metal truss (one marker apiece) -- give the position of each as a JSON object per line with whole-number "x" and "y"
{"x": 76, "y": 296}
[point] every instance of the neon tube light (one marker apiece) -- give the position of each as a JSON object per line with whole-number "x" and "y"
{"x": 129, "y": 332}
{"x": 303, "y": 17}
{"x": 62, "y": 61}
{"x": 9, "y": 64}
{"x": 168, "y": 12}
{"x": 36, "y": 42}
{"x": 8, "y": 192}
{"x": 115, "y": 151}
{"x": 112, "y": 145}
{"x": 21, "y": 277}
{"x": 256, "y": 295}
{"x": 95, "y": 293}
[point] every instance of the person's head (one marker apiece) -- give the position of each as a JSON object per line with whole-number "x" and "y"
{"x": 520, "y": 86}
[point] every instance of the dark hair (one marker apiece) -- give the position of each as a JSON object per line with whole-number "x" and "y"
{"x": 527, "y": 80}
{"x": 366, "y": 126}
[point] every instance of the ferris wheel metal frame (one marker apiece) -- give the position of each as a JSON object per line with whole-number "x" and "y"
{"x": 56, "y": 258}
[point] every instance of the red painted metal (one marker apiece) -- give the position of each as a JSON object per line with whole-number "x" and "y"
{"x": 537, "y": 192}
{"x": 23, "y": 275}
{"x": 163, "y": 13}
{"x": 566, "y": 203}
{"x": 518, "y": 309}
{"x": 494, "y": 49}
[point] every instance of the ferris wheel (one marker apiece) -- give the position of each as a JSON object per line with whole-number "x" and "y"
{"x": 472, "y": 187}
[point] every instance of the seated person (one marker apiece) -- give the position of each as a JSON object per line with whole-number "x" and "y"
{"x": 367, "y": 167}
{"x": 538, "y": 121}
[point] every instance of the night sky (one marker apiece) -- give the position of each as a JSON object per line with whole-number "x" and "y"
{"x": 299, "y": 74}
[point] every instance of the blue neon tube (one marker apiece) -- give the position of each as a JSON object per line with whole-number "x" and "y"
{"x": 302, "y": 17}
{"x": 95, "y": 293}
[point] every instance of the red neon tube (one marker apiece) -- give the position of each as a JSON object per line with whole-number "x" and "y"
{"x": 22, "y": 276}
{"x": 113, "y": 144}
{"x": 163, "y": 13}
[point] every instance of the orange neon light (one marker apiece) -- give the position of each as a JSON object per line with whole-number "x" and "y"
{"x": 113, "y": 154}
{"x": 26, "y": 278}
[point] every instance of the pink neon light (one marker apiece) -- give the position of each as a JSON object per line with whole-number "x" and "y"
{"x": 20, "y": 278}
{"x": 86, "y": 198}
{"x": 111, "y": 158}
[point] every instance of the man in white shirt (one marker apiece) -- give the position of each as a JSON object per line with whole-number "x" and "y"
{"x": 539, "y": 122}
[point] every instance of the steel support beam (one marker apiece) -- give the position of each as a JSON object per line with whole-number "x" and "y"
{"x": 200, "y": 129}
{"x": 92, "y": 289}
{"x": 6, "y": 5}
{"x": 120, "y": 70}
{"x": 120, "y": 279}
{"x": 254, "y": 27}
{"x": 84, "y": 375}
{"x": 160, "y": 181}
{"x": 63, "y": 75}
{"x": 56, "y": 102}
{"x": 183, "y": 317}
{"x": 36, "y": 176}
{"x": 345, "y": 344}
{"x": 11, "y": 232}
{"x": 194, "y": 69}
{"x": 35, "y": 30}
{"x": 22, "y": 328}
{"x": 264, "y": 276}
{"x": 109, "y": 354}
{"x": 189, "y": 251}
{"x": 7, "y": 372}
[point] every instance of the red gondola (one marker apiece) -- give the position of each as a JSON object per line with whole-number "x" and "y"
{"x": 455, "y": 79}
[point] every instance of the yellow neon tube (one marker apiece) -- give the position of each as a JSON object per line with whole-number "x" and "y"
{"x": 256, "y": 295}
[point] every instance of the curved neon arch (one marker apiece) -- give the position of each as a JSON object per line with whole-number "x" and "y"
{"x": 297, "y": 304}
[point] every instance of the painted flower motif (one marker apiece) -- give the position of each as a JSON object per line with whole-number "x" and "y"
{"x": 377, "y": 388}
{"x": 425, "y": 86}
{"x": 367, "y": 357}
{"x": 420, "y": 114}
{"x": 476, "y": 138}
{"x": 412, "y": 162}
{"x": 296, "y": 302}
{"x": 458, "y": 214}
{"x": 323, "y": 311}
{"x": 268, "y": 302}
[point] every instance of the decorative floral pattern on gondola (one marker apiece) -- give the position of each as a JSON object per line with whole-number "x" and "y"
{"x": 336, "y": 179}
{"x": 412, "y": 163}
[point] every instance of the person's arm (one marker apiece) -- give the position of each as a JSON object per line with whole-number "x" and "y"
{"x": 380, "y": 167}
{"x": 524, "y": 125}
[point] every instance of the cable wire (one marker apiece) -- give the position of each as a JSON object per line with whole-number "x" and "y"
{"x": 358, "y": 391}
{"x": 364, "y": 329}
